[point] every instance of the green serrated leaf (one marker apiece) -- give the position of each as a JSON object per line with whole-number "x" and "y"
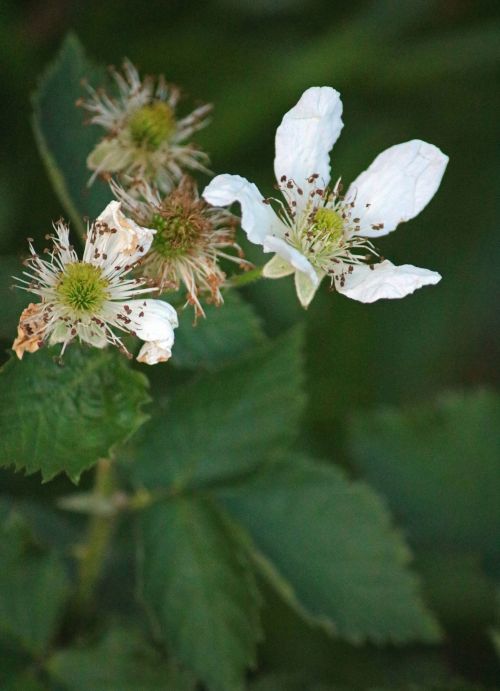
{"x": 121, "y": 661}
{"x": 64, "y": 141}
{"x": 439, "y": 468}
{"x": 226, "y": 423}
{"x": 333, "y": 541}
{"x": 33, "y": 588}
{"x": 200, "y": 590}
{"x": 226, "y": 333}
{"x": 62, "y": 417}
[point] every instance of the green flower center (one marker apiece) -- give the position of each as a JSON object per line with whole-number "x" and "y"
{"x": 177, "y": 234}
{"x": 82, "y": 287}
{"x": 151, "y": 125}
{"x": 330, "y": 223}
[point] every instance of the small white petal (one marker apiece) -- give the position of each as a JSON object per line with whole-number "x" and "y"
{"x": 305, "y": 288}
{"x": 385, "y": 280}
{"x": 257, "y": 218}
{"x": 93, "y": 335}
{"x": 153, "y": 352}
{"x": 306, "y": 135}
{"x": 90, "y": 333}
{"x": 130, "y": 239}
{"x": 292, "y": 256}
{"x": 150, "y": 320}
{"x": 400, "y": 182}
{"x": 123, "y": 247}
{"x": 109, "y": 156}
{"x": 277, "y": 268}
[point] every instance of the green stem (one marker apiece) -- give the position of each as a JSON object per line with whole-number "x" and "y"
{"x": 246, "y": 278}
{"x": 99, "y": 534}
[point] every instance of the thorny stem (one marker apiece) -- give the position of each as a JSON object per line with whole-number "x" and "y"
{"x": 99, "y": 534}
{"x": 246, "y": 278}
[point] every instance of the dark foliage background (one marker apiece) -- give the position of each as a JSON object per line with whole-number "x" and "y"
{"x": 405, "y": 70}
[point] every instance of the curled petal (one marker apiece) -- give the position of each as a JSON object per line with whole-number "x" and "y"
{"x": 151, "y": 320}
{"x": 292, "y": 256}
{"x": 115, "y": 239}
{"x": 257, "y": 218}
{"x": 31, "y": 330}
{"x": 400, "y": 182}
{"x": 306, "y": 135}
{"x": 385, "y": 281}
{"x": 153, "y": 352}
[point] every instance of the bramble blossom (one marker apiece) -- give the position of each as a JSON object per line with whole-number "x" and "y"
{"x": 191, "y": 238}
{"x": 144, "y": 138}
{"x": 89, "y": 299}
{"x": 315, "y": 230}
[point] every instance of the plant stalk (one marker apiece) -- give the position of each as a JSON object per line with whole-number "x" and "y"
{"x": 246, "y": 278}
{"x": 99, "y": 534}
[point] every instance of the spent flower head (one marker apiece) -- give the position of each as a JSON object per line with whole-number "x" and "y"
{"x": 191, "y": 238}
{"x": 314, "y": 230}
{"x": 144, "y": 137}
{"x": 90, "y": 299}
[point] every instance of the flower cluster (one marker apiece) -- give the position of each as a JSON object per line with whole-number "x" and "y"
{"x": 160, "y": 235}
{"x": 92, "y": 298}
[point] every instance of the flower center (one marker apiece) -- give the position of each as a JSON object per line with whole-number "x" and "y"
{"x": 151, "y": 125}
{"x": 329, "y": 223}
{"x": 82, "y": 287}
{"x": 177, "y": 233}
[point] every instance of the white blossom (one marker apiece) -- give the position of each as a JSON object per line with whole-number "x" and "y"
{"x": 90, "y": 299}
{"x": 192, "y": 237}
{"x": 315, "y": 230}
{"x": 143, "y": 138}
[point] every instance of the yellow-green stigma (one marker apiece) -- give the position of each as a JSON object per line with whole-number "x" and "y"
{"x": 151, "y": 125}
{"x": 330, "y": 223}
{"x": 82, "y": 287}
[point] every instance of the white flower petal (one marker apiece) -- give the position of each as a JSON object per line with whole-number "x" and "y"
{"x": 257, "y": 218}
{"x": 277, "y": 268}
{"x": 400, "y": 182}
{"x": 291, "y": 255}
{"x": 109, "y": 156}
{"x": 305, "y": 288}
{"x": 122, "y": 243}
{"x": 385, "y": 280}
{"x": 150, "y": 320}
{"x": 90, "y": 333}
{"x": 153, "y": 352}
{"x": 306, "y": 135}
{"x": 93, "y": 334}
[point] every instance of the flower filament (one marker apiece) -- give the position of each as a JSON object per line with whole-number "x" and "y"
{"x": 323, "y": 230}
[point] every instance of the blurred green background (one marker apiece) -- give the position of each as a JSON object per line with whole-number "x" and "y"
{"x": 406, "y": 69}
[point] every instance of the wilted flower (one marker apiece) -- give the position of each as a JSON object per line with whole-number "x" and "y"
{"x": 191, "y": 238}
{"x": 87, "y": 299}
{"x": 316, "y": 231}
{"x": 143, "y": 137}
